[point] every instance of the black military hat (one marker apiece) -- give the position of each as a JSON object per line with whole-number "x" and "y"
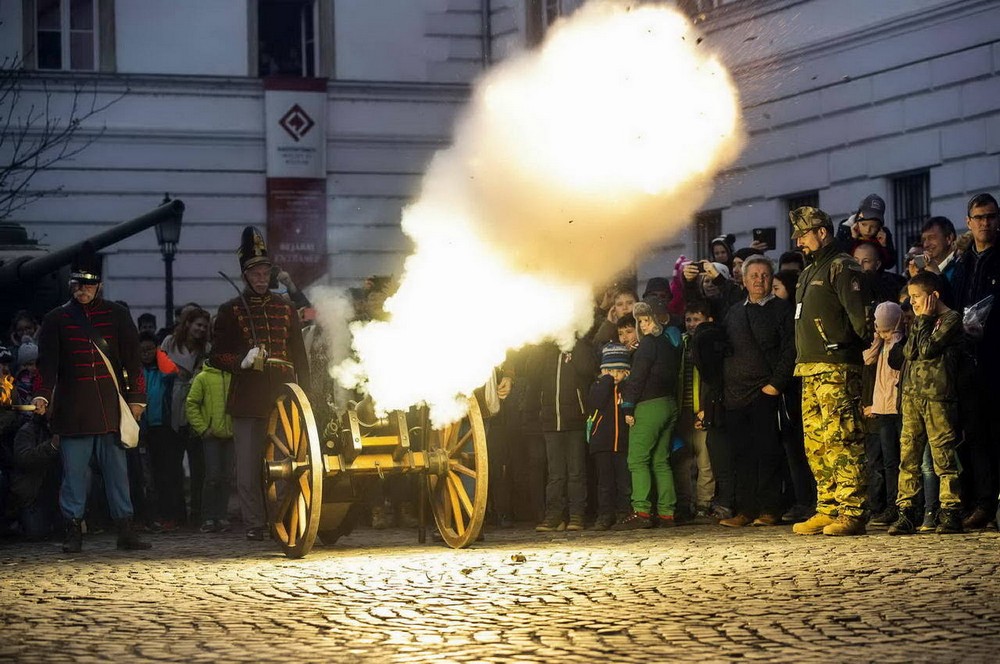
{"x": 252, "y": 249}
{"x": 86, "y": 267}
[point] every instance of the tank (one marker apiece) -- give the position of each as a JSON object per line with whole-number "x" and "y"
{"x": 34, "y": 278}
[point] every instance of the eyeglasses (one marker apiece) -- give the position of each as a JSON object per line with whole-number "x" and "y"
{"x": 991, "y": 216}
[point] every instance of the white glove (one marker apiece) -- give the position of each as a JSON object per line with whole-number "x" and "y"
{"x": 249, "y": 359}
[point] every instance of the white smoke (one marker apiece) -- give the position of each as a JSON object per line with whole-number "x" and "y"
{"x": 569, "y": 162}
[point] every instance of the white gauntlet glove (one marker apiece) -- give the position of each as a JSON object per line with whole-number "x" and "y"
{"x": 250, "y": 357}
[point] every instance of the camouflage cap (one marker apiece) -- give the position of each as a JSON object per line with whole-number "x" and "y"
{"x": 807, "y": 218}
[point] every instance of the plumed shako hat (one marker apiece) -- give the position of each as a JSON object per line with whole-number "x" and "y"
{"x": 252, "y": 249}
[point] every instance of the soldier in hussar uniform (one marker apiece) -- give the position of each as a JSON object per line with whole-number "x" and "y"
{"x": 258, "y": 339}
{"x": 832, "y": 303}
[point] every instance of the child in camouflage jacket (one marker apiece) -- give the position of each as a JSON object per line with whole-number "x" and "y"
{"x": 930, "y": 404}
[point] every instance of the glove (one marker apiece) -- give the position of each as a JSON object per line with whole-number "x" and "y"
{"x": 250, "y": 357}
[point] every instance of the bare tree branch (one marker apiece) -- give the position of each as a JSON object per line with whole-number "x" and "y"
{"x": 33, "y": 138}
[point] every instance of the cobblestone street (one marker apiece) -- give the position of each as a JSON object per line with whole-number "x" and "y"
{"x": 696, "y": 593}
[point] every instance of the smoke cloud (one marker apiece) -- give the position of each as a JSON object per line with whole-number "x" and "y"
{"x": 569, "y": 162}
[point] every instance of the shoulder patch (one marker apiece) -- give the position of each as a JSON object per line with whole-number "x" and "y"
{"x": 855, "y": 285}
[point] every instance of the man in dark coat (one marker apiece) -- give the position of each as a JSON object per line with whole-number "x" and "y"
{"x": 977, "y": 276}
{"x": 81, "y": 397}
{"x": 258, "y": 339}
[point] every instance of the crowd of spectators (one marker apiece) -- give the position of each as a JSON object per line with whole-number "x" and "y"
{"x": 680, "y": 405}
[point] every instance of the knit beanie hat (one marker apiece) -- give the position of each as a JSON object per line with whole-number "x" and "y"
{"x": 747, "y": 252}
{"x": 27, "y": 351}
{"x": 723, "y": 270}
{"x": 887, "y": 316}
{"x": 615, "y": 356}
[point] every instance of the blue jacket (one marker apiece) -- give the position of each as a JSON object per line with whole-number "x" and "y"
{"x": 159, "y": 387}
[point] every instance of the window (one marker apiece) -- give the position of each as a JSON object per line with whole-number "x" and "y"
{"x": 543, "y": 13}
{"x": 286, "y": 37}
{"x": 911, "y": 205}
{"x": 707, "y": 227}
{"x": 66, "y": 37}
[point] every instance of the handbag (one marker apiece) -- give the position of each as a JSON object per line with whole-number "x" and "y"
{"x": 128, "y": 426}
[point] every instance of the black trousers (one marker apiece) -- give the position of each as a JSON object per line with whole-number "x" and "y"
{"x": 166, "y": 458}
{"x": 720, "y": 453}
{"x": 614, "y": 483}
{"x": 753, "y": 430}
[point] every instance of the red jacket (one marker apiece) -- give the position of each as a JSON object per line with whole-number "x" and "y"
{"x": 276, "y": 322}
{"x": 74, "y": 378}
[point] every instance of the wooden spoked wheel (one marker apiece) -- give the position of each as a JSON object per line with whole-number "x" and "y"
{"x": 458, "y": 477}
{"x": 293, "y": 472}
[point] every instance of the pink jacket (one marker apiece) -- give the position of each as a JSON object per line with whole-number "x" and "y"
{"x": 884, "y": 398}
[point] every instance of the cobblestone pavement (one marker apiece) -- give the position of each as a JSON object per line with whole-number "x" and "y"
{"x": 695, "y": 593}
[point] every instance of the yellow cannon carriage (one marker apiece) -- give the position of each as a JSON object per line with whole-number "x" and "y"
{"x": 311, "y": 484}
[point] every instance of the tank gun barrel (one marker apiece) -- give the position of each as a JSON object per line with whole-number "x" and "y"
{"x": 26, "y": 270}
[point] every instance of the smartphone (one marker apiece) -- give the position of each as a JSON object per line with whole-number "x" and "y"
{"x": 920, "y": 261}
{"x": 766, "y": 235}
{"x": 701, "y": 266}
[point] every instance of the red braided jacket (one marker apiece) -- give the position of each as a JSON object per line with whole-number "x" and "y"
{"x": 276, "y": 322}
{"x": 74, "y": 378}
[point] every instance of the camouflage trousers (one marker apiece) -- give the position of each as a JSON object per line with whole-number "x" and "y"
{"x": 931, "y": 423}
{"x": 835, "y": 440}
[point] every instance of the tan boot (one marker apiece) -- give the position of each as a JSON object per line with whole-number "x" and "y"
{"x": 846, "y": 525}
{"x": 380, "y": 518}
{"x": 814, "y": 525}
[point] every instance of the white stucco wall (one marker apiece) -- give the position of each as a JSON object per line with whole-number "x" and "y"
{"x": 840, "y": 96}
{"x": 197, "y": 37}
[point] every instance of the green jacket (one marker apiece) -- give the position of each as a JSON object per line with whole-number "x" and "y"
{"x": 833, "y": 291}
{"x": 206, "y": 403}
{"x": 933, "y": 352}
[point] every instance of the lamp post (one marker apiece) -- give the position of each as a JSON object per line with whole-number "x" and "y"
{"x": 168, "y": 233}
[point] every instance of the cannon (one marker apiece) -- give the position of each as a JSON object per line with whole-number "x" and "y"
{"x": 311, "y": 485}
{"x": 30, "y": 274}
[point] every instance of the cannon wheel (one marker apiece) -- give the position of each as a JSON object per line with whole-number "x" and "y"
{"x": 458, "y": 495}
{"x": 293, "y": 497}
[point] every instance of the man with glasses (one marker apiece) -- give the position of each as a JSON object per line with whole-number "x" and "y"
{"x": 977, "y": 276}
{"x": 831, "y": 331}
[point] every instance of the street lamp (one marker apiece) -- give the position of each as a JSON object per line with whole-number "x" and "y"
{"x": 168, "y": 233}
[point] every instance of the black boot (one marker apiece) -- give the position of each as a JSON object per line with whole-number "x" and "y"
{"x": 73, "y": 543}
{"x": 949, "y": 522}
{"x": 127, "y": 539}
{"x": 905, "y": 524}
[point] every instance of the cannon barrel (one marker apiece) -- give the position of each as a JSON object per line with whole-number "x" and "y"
{"x": 25, "y": 270}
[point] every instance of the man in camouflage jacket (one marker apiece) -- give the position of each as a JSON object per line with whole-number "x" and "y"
{"x": 831, "y": 330}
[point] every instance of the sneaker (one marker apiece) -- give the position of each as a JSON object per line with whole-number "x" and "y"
{"x": 885, "y": 518}
{"x": 766, "y": 520}
{"x": 949, "y": 523}
{"x": 846, "y": 525}
{"x": 980, "y": 519}
{"x": 165, "y": 526}
{"x": 551, "y": 524}
{"x": 668, "y": 521}
{"x": 719, "y": 512}
{"x": 255, "y": 534}
{"x": 575, "y": 523}
{"x": 223, "y": 525}
{"x": 604, "y": 522}
{"x": 634, "y": 521}
{"x": 210, "y": 526}
{"x": 738, "y": 521}
{"x": 903, "y": 525}
{"x": 930, "y": 522}
{"x": 814, "y": 525}
{"x": 407, "y": 517}
{"x": 798, "y": 513}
